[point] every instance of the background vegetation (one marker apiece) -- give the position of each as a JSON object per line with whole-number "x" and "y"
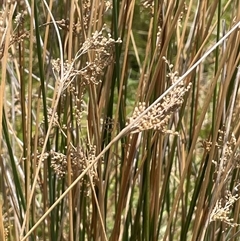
{"x": 120, "y": 120}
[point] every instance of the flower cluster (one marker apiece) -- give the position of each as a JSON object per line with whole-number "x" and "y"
{"x": 79, "y": 162}
{"x": 100, "y": 50}
{"x": 224, "y": 166}
{"x": 86, "y": 4}
{"x": 16, "y": 37}
{"x": 223, "y": 209}
{"x": 158, "y": 116}
{"x": 59, "y": 163}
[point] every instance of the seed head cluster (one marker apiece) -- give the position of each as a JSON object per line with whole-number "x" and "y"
{"x": 79, "y": 161}
{"x": 224, "y": 167}
{"x": 15, "y": 36}
{"x": 158, "y": 116}
{"x": 227, "y": 155}
{"x": 223, "y": 209}
{"x": 99, "y": 49}
{"x": 86, "y": 13}
{"x": 55, "y": 119}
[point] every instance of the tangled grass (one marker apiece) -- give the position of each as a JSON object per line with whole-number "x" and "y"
{"x": 120, "y": 120}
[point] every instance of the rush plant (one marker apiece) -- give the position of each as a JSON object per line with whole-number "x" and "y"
{"x": 120, "y": 120}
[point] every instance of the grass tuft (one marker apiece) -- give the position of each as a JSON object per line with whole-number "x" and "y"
{"x": 120, "y": 120}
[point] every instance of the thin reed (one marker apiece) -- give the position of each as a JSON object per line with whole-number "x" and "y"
{"x": 120, "y": 120}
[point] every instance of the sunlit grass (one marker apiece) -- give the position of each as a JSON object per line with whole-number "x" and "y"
{"x": 102, "y": 137}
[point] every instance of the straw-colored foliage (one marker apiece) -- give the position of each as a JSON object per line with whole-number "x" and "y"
{"x": 120, "y": 120}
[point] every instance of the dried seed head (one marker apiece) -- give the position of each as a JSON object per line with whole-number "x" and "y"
{"x": 223, "y": 209}
{"x": 158, "y": 116}
{"x": 101, "y": 49}
{"x": 58, "y": 163}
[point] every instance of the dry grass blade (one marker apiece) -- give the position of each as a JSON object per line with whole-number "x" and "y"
{"x": 119, "y": 120}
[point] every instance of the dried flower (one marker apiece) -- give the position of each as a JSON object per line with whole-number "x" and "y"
{"x": 79, "y": 161}
{"x": 101, "y": 49}
{"x": 158, "y": 116}
{"x": 223, "y": 208}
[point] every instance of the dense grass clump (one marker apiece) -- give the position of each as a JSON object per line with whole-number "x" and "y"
{"x": 120, "y": 120}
